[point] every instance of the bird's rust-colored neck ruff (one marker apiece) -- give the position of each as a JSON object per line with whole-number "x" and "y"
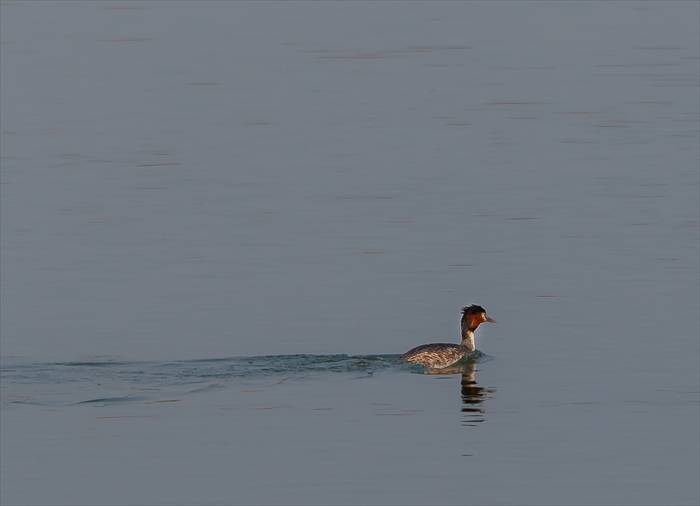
{"x": 472, "y": 321}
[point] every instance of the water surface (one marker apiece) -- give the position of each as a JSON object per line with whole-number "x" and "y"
{"x": 321, "y": 186}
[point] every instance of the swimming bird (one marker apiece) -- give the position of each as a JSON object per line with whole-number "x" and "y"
{"x": 439, "y": 355}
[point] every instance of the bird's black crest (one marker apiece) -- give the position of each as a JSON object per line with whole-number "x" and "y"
{"x": 473, "y": 309}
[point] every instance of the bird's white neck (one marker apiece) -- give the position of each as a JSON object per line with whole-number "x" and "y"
{"x": 468, "y": 339}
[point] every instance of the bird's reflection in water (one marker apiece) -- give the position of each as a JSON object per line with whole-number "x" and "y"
{"x": 473, "y": 396}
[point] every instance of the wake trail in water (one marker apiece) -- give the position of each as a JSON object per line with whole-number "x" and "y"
{"x": 194, "y": 370}
{"x": 27, "y": 383}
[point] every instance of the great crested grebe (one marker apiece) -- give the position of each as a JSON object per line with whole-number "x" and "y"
{"x": 439, "y": 355}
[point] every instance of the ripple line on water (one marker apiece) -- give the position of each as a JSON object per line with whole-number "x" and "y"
{"x": 198, "y": 370}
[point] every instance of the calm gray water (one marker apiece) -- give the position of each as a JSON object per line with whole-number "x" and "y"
{"x": 221, "y": 221}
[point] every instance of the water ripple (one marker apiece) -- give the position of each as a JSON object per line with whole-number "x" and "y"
{"x": 201, "y": 369}
{"x": 103, "y": 381}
